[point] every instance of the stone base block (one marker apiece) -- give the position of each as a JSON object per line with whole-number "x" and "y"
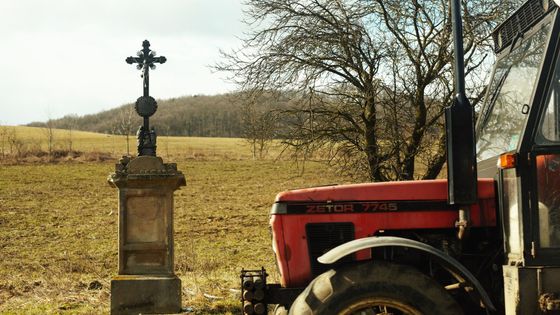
{"x": 134, "y": 294}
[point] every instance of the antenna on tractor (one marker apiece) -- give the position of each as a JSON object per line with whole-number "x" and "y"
{"x": 459, "y": 122}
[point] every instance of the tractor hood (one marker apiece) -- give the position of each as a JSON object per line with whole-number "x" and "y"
{"x": 385, "y": 191}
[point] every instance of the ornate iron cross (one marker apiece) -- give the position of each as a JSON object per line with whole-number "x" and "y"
{"x": 146, "y": 105}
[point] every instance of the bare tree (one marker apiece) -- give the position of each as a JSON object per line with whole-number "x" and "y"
{"x": 371, "y": 77}
{"x": 4, "y": 131}
{"x": 167, "y": 131}
{"x": 16, "y": 145}
{"x": 113, "y": 132}
{"x": 124, "y": 123}
{"x": 49, "y": 131}
{"x": 259, "y": 122}
{"x": 71, "y": 122}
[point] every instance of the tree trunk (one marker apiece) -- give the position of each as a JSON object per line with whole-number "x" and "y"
{"x": 371, "y": 148}
{"x": 438, "y": 159}
{"x": 416, "y": 137}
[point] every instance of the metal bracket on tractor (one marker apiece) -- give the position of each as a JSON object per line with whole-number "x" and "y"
{"x": 549, "y": 302}
{"x": 253, "y": 286}
{"x": 256, "y": 294}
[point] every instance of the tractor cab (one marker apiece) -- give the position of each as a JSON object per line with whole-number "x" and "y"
{"x": 518, "y": 144}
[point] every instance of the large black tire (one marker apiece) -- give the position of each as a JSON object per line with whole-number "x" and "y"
{"x": 374, "y": 288}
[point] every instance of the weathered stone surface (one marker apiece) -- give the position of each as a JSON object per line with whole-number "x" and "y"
{"x": 146, "y": 282}
{"x": 145, "y": 163}
{"x": 146, "y": 172}
{"x": 145, "y": 294}
{"x": 145, "y": 219}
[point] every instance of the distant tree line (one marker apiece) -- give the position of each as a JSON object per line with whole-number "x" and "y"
{"x": 224, "y": 115}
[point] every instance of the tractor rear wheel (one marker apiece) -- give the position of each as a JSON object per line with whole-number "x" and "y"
{"x": 374, "y": 288}
{"x": 280, "y": 310}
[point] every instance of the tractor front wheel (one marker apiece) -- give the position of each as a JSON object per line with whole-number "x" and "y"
{"x": 374, "y": 288}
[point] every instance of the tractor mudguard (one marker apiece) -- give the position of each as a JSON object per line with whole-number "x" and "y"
{"x": 456, "y": 269}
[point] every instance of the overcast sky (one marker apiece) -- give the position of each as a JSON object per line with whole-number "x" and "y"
{"x": 64, "y": 57}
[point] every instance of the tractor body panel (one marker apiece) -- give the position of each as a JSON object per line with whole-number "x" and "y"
{"x": 306, "y": 223}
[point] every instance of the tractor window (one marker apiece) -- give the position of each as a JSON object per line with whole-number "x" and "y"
{"x": 548, "y": 185}
{"x": 550, "y": 123}
{"x": 509, "y": 97}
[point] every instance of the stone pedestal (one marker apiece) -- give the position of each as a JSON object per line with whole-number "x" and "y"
{"x": 146, "y": 282}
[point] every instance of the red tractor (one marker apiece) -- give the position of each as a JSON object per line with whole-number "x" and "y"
{"x": 484, "y": 241}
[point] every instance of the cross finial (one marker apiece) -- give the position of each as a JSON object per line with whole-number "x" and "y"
{"x": 146, "y": 58}
{"x": 146, "y": 105}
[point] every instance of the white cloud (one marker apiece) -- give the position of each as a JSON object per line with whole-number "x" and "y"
{"x": 68, "y": 56}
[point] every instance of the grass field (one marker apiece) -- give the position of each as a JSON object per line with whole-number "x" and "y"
{"x": 58, "y": 224}
{"x": 168, "y": 147}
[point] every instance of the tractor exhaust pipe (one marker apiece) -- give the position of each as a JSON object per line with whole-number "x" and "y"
{"x": 459, "y": 127}
{"x": 459, "y": 121}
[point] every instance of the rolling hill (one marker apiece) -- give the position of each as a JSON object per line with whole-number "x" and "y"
{"x": 199, "y": 116}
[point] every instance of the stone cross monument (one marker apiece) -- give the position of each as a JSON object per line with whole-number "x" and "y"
{"x": 146, "y": 282}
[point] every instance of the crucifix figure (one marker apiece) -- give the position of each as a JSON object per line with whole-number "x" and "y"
{"x": 146, "y": 105}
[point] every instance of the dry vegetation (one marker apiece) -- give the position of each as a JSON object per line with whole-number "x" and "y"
{"x": 22, "y": 144}
{"x": 58, "y": 224}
